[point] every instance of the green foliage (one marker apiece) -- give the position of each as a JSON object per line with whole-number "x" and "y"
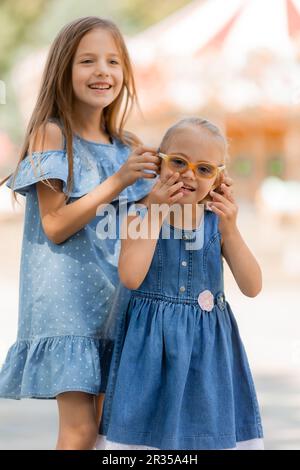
{"x": 136, "y": 15}
{"x": 15, "y": 18}
{"x": 36, "y": 22}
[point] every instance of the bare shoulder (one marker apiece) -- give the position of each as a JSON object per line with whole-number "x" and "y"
{"x": 48, "y": 137}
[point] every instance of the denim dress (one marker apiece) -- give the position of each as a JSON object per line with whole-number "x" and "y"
{"x": 64, "y": 340}
{"x": 180, "y": 378}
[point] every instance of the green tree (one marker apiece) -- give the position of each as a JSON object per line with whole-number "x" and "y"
{"x": 15, "y": 18}
{"x": 131, "y": 16}
{"x": 136, "y": 15}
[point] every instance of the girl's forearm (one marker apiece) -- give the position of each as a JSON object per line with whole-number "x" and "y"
{"x": 137, "y": 254}
{"x": 135, "y": 263}
{"x": 69, "y": 219}
{"x": 242, "y": 263}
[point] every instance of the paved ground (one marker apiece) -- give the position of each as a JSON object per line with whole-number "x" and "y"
{"x": 269, "y": 325}
{"x": 32, "y": 424}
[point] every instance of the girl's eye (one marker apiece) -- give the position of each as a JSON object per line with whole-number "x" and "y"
{"x": 205, "y": 170}
{"x": 178, "y": 162}
{"x": 86, "y": 61}
{"x": 114, "y": 62}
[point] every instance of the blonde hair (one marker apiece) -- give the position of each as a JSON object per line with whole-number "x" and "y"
{"x": 55, "y": 97}
{"x": 194, "y": 121}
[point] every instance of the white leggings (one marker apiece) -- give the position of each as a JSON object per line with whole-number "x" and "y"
{"x": 103, "y": 444}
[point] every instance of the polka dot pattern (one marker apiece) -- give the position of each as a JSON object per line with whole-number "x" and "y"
{"x": 65, "y": 329}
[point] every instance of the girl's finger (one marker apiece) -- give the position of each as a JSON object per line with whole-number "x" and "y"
{"x": 219, "y": 205}
{"x": 217, "y": 211}
{"x": 146, "y": 166}
{"x": 218, "y": 197}
{"x": 228, "y": 181}
{"x": 156, "y": 186}
{"x": 227, "y": 191}
{"x": 163, "y": 180}
{"x": 143, "y": 149}
{"x": 142, "y": 160}
{"x": 172, "y": 178}
{"x": 147, "y": 157}
{"x": 174, "y": 187}
{"x": 175, "y": 198}
{"x": 148, "y": 175}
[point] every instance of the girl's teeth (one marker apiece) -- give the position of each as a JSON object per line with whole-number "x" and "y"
{"x": 100, "y": 87}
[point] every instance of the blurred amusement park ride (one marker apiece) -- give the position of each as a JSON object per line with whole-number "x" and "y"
{"x": 235, "y": 62}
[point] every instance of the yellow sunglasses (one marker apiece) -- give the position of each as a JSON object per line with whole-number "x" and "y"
{"x": 200, "y": 169}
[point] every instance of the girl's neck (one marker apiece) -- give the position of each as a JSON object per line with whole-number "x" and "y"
{"x": 187, "y": 216}
{"x": 86, "y": 123}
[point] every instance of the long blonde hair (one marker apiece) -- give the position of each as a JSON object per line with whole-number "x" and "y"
{"x": 55, "y": 96}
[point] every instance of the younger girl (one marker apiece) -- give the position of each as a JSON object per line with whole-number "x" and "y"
{"x": 180, "y": 378}
{"x": 76, "y": 157}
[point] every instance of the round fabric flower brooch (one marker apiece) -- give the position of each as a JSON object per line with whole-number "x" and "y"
{"x": 206, "y": 300}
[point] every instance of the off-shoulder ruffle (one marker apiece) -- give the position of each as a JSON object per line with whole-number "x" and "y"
{"x": 45, "y": 367}
{"x": 88, "y": 172}
{"x": 37, "y": 167}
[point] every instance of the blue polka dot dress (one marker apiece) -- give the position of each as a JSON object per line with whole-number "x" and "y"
{"x": 64, "y": 342}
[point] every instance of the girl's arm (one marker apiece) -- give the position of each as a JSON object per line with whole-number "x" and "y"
{"x": 60, "y": 220}
{"x": 137, "y": 250}
{"x": 136, "y": 254}
{"x": 240, "y": 259}
{"x": 242, "y": 264}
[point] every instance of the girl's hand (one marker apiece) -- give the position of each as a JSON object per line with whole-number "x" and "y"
{"x": 228, "y": 184}
{"x": 142, "y": 158}
{"x": 225, "y": 179}
{"x": 225, "y": 207}
{"x": 163, "y": 192}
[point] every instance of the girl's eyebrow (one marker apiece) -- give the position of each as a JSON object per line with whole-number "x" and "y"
{"x": 112, "y": 54}
{"x": 179, "y": 153}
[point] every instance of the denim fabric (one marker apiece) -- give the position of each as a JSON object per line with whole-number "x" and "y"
{"x": 66, "y": 290}
{"x": 180, "y": 378}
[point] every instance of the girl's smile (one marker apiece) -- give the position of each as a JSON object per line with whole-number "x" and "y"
{"x": 97, "y": 73}
{"x": 100, "y": 86}
{"x": 194, "y": 145}
{"x": 187, "y": 189}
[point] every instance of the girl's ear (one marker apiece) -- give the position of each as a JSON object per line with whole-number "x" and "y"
{"x": 217, "y": 184}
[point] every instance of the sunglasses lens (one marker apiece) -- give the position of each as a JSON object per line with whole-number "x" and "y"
{"x": 178, "y": 163}
{"x": 202, "y": 170}
{"x": 206, "y": 171}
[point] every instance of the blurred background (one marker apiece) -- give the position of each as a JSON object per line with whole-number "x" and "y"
{"x": 236, "y": 63}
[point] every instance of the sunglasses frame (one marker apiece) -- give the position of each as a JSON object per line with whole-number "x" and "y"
{"x": 193, "y": 166}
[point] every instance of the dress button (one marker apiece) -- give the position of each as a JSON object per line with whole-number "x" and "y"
{"x": 184, "y": 263}
{"x": 182, "y": 289}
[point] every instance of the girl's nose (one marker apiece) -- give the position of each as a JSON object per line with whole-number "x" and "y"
{"x": 189, "y": 173}
{"x": 101, "y": 69}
